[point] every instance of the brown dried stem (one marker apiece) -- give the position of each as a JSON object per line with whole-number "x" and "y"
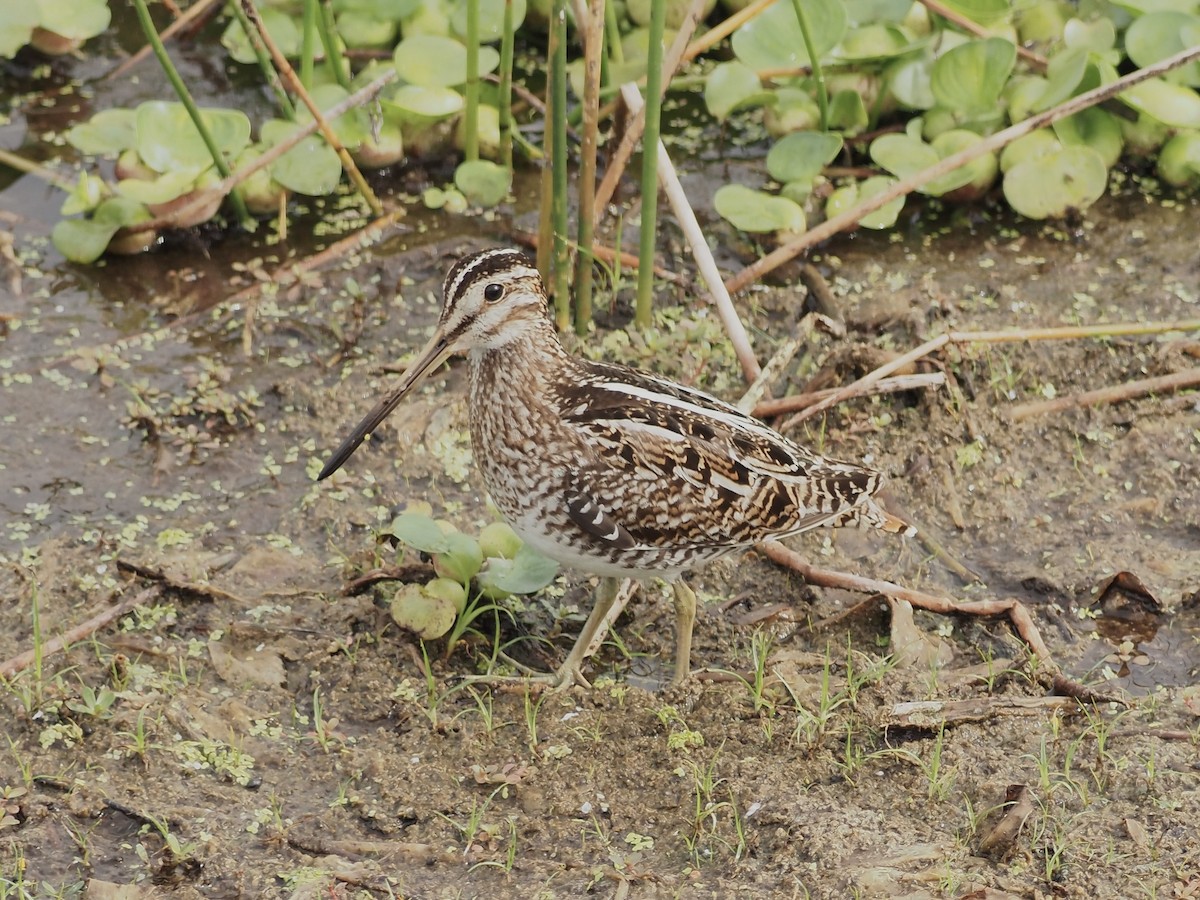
{"x": 101, "y": 619}
{"x": 192, "y": 14}
{"x": 1162, "y": 384}
{"x": 970, "y": 26}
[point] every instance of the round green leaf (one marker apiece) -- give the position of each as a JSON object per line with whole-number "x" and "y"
{"x": 17, "y": 21}
{"x": 849, "y": 196}
{"x": 969, "y": 78}
{"x": 1064, "y": 76}
{"x": 1032, "y": 146}
{"x": 432, "y": 61}
{"x": 1172, "y": 104}
{"x": 419, "y": 531}
{"x": 498, "y": 539}
{"x": 491, "y": 18}
{"x": 85, "y": 240}
{"x": 877, "y": 42}
{"x": 167, "y": 139}
{"x": 359, "y": 29}
{"x": 909, "y": 83}
{"x": 482, "y": 182}
{"x": 460, "y": 560}
{"x": 860, "y": 12}
{"x": 1097, "y": 35}
{"x": 107, "y": 133}
{"x": 389, "y": 10}
{"x": 802, "y": 155}
{"x": 1050, "y": 186}
{"x": 280, "y": 26}
{"x": 757, "y": 211}
{"x": 414, "y": 107}
{"x": 904, "y": 155}
{"x": 1179, "y": 161}
{"x": 528, "y": 571}
{"x": 426, "y": 615}
{"x": 985, "y": 12}
{"x": 730, "y": 85}
{"x": 773, "y": 40}
{"x": 352, "y": 127}
{"x": 76, "y": 20}
{"x": 1095, "y": 128}
{"x": 311, "y": 167}
{"x": 163, "y": 189}
{"x": 1157, "y": 35}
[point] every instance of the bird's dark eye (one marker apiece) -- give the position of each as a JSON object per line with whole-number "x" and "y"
{"x": 493, "y": 292}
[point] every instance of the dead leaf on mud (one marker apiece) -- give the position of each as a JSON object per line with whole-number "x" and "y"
{"x": 258, "y": 665}
{"x": 912, "y": 647}
{"x": 509, "y": 773}
{"x": 1000, "y": 839}
{"x": 106, "y": 890}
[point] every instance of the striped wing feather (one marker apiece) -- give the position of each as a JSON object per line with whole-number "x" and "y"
{"x": 673, "y": 466}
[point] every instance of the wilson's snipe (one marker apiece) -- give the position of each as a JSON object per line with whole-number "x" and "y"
{"x": 611, "y": 470}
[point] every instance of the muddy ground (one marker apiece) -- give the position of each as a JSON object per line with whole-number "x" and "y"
{"x": 249, "y": 730}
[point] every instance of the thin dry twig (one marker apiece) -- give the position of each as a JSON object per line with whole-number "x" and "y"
{"x": 293, "y": 82}
{"x": 904, "y": 186}
{"x": 101, "y": 619}
{"x": 1162, "y": 384}
{"x": 1021, "y": 620}
{"x": 715, "y": 35}
{"x": 765, "y": 409}
{"x": 1066, "y": 332}
{"x": 692, "y": 231}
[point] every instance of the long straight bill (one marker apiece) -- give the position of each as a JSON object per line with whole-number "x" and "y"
{"x": 431, "y": 356}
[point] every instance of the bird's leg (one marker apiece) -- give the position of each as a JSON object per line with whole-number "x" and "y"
{"x": 685, "y": 618}
{"x": 569, "y": 672}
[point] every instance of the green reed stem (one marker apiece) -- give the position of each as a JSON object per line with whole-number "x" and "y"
{"x": 505, "y": 100}
{"x": 818, "y": 75}
{"x": 593, "y": 51}
{"x": 649, "y": 224}
{"x": 308, "y": 39}
{"x": 613, "y": 27}
{"x": 471, "y": 90}
{"x": 264, "y": 61}
{"x": 558, "y": 162}
{"x": 185, "y": 97}
{"x": 332, "y": 45}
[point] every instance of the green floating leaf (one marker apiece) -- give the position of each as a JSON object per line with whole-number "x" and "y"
{"x": 389, "y": 10}
{"x": 432, "y": 61}
{"x": 877, "y": 42}
{"x": 419, "y": 531}
{"x": 1050, "y": 186}
{"x": 756, "y": 211}
{"x": 1035, "y": 145}
{"x": 76, "y": 20}
{"x": 167, "y": 138}
{"x": 1064, "y": 76}
{"x": 969, "y": 78}
{"x": 17, "y": 21}
{"x": 773, "y": 40}
{"x": 1097, "y": 36}
{"x": 847, "y": 112}
{"x": 528, "y": 571}
{"x": 366, "y": 31}
{"x": 729, "y": 86}
{"x": 909, "y": 83}
{"x": 163, "y": 189}
{"x": 413, "y": 104}
{"x": 89, "y": 192}
{"x": 849, "y": 196}
{"x": 460, "y": 560}
{"x": 482, "y": 182}
{"x": 85, "y": 240}
{"x": 352, "y": 128}
{"x": 423, "y": 613}
{"x": 311, "y": 167}
{"x": 904, "y": 155}
{"x": 985, "y": 12}
{"x": 1157, "y": 35}
{"x": 498, "y": 539}
{"x": 1179, "y": 161}
{"x": 280, "y": 26}
{"x": 860, "y": 12}
{"x": 491, "y": 18}
{"x": 1171, "y": 104}
{"x": 1095, "y": 128}
{"x": 802, "y": 156}
{"x": 107, "y": 133}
